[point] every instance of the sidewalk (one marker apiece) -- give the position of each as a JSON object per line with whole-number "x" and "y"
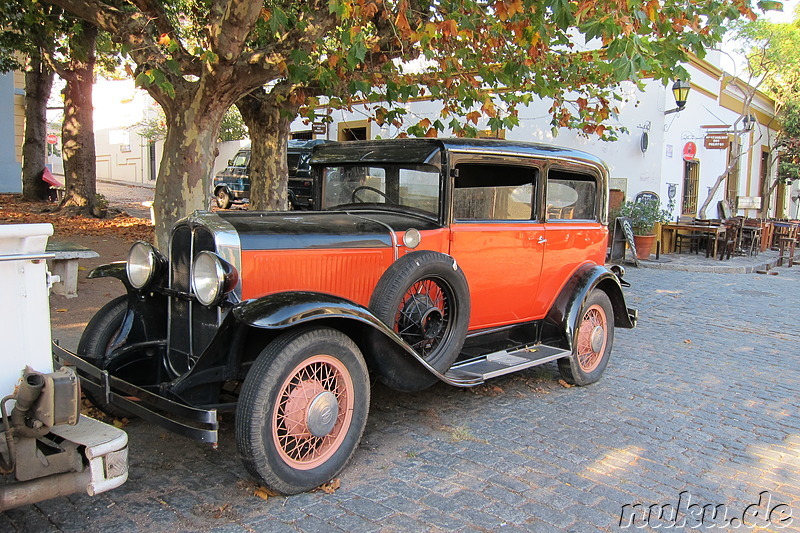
{"x": 700, "y": 263}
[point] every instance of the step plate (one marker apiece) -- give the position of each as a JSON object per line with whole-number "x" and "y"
{"x": 504, "y": 362}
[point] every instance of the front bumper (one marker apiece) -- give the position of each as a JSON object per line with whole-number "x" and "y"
{"x": 191, "y": 422}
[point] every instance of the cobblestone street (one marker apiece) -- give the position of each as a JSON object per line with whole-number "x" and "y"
{"x": 699, "y": 405}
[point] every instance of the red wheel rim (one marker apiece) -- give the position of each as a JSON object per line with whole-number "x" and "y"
{"x": 319, "y": 377}
{"x": 592, "y": 338}
{"x": 423, "y": 317}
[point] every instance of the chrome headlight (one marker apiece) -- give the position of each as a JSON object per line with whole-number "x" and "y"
{"x": 212, "y": 278}
{"x": 143, "y": 263}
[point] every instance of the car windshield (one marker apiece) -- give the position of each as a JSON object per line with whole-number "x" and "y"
{"x": 404, "y": 186}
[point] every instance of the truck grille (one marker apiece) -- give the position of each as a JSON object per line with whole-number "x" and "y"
{"x": 192, "y": 325}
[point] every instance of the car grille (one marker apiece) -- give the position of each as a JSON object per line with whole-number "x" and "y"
{"x": 192, "y": 325}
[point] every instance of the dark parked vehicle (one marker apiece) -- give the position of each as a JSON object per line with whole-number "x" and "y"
{"x": 426, "y": 260}
{"x": 232, "y": 185}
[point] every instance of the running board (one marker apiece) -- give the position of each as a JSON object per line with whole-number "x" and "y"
{"x": 476, "y": 371}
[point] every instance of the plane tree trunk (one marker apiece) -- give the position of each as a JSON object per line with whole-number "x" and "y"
{"x": 38, "y": 82}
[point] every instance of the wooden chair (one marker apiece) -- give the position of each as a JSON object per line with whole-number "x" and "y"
{"x": 730, "y": 240}
{"x": 692, "y": 237}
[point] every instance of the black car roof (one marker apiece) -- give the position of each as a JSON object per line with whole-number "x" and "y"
{"x": 421, "y": 150}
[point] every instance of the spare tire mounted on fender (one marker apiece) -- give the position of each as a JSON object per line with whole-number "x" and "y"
{"x": 424, "y": 298}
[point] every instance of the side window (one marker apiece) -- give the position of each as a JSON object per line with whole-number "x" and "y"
{"x": 494, "y": 192}
{"x": 571, "y": 196}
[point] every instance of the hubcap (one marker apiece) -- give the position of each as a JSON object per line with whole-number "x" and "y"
{"x": 322, "y": 413}
{"x": 598, "y": 336}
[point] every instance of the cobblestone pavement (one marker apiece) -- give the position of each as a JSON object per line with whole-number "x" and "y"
{"x": 699, "y": 405}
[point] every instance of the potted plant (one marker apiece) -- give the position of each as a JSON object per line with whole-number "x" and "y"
{"x": 644, "y": 215}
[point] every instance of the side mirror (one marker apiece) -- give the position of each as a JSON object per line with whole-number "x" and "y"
{"x": 230, "y": 162}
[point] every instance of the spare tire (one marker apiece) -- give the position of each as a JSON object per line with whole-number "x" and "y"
{"x": 424, "y": 298}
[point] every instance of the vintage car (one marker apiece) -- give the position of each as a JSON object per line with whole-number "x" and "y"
{"x": 232, "y": 185}
{"x": 428, "y": 260}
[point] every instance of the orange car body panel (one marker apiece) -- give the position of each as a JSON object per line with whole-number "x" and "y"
{"x": 351, "y": 273}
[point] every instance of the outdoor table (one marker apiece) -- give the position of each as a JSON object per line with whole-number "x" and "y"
{"x": 671, "y": 229}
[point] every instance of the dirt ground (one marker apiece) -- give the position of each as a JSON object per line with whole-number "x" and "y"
{"x": 111, "y": 238}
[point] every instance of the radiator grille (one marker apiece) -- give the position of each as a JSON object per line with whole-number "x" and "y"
{"x": 192, "y": 325}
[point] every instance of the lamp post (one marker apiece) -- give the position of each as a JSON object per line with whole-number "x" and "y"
{"x": 680, "y": 90}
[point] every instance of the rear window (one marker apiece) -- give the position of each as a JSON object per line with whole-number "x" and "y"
{"x": 571, "y": 196}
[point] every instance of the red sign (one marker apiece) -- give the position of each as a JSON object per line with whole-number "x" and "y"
{"x": 689, "y": 151}
{"x": 52, "y": 138}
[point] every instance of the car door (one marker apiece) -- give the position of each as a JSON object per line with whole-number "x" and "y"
{"x": 573, "y": 207}
{"x": 495, "y": 239}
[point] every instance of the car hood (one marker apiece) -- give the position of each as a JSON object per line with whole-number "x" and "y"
{"x": 327, "y": 229}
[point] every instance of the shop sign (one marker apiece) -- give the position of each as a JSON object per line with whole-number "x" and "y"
{"x": 716, "y": 141}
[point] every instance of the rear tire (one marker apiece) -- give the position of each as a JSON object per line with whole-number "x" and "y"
{"x": 95, "y": 342}
{"x": 594, "y": 337}
{"x": 302, "y": 409}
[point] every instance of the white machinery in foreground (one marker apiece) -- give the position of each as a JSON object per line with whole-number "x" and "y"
{"x": 49, "y": 447}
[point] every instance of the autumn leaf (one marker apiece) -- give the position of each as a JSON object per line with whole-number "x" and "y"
{"x": 331, "y": 486}
{"x": 164, "y": 39}
{"x": 565, "y": 384}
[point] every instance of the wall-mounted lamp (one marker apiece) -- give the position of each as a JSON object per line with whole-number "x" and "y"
{"x": 680, "y": 90}
{"x": 749, "y": 122}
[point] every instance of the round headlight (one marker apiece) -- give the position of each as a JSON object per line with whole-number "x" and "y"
{"x": 142, "y": 262}
{"x": 212, "y": 278}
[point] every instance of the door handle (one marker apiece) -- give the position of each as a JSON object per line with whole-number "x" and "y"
{"x": 542, "y": 240}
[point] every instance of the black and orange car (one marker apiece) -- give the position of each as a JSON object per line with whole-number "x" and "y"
{"x": 428, "y": 260}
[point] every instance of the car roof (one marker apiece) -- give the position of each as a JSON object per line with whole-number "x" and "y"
{"x": 421, "y": 150}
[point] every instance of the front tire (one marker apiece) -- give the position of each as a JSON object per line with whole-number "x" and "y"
{"x": 302, "y": 409}
{"x": 223, "y": 198}
{"x": 591, "y": 347}
{"x": 97, "y": 340}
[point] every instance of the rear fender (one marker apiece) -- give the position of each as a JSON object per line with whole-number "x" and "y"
{"x": 559, "y": 326}
{"x": 291, "y": 309}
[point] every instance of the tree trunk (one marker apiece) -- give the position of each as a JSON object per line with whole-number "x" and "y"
{"x": 38, "y": 82}
{"x": 190, "y": 148}
{"x": 269, "y": 134}
{"x": 77, "y": 130}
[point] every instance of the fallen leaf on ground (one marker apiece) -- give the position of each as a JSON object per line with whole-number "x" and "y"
{"x": 331, "y": 486}
{"x": 61, "y": 310}
{"x": 565, "y": 384}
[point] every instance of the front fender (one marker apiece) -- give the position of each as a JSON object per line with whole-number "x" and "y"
{"x": 560, "y": 324}
{"x": 112, "y": 270}
{"x": 289, "y": 309}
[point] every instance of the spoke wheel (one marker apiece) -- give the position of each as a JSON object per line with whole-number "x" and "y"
{"x": 302, "y": 409}
{"x": 424, "y": 298}
{"x": 315, "y": 406}
{"x": 592, "y": 341}
{"x": 423, "y": 317}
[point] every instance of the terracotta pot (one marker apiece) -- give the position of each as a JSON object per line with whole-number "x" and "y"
{"x": 644, "y": 245}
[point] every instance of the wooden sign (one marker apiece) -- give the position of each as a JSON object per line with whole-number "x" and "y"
{"x": 748, "y": 202}
{"x": 319, "y": 128}
{"x": 716, "y": 141}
